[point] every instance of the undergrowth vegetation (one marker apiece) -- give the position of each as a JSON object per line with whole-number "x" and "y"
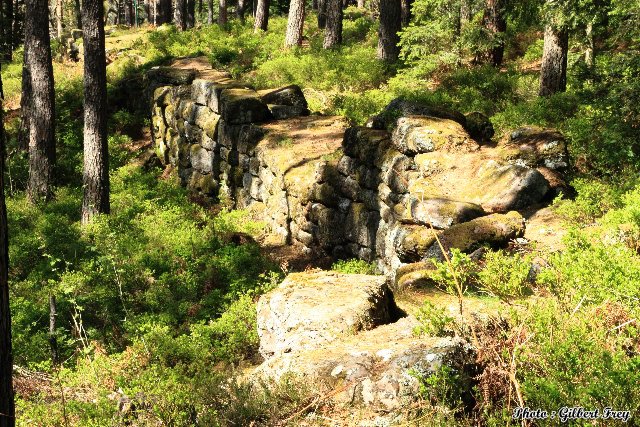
{"x": 156, "y": 304}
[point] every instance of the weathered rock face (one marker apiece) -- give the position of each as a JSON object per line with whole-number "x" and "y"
{"x": 360, "y": 192}
{"x": 377, "y": 368}
{"x": 309, "y": 310}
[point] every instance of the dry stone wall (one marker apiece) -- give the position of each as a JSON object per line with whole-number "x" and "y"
{"x": 363, "y": 192}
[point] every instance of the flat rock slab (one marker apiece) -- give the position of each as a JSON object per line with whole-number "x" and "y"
{"x": 309, "y": 310}
{"x": 378, "y": 368}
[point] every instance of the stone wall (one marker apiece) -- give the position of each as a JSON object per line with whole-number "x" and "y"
{"x": 361, "y": 192}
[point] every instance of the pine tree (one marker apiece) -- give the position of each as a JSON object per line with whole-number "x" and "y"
{"x": 96, "y": 158}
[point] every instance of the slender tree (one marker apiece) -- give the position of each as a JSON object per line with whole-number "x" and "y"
{"x": 6, "y": 29}
{"x": 96, "y": 158}
{"x": 495, "y": 22}
{"x": 262, "y": 15}
{"x": 42, "y": 148}
{"x": 553, "y": 72}
{"x": 390, "y": 25}
{"x": 191, "y": 13}
{"x": 7, "y": 406}
{"x": 333, "y": 30}
{"x": 222, "y": 13}
{"x": 210, "y": 12}
{"x": 59, "y": 19}
{"x": 78, "y": 12}
{"x": 361, "y": 4}
{"x": 295, "y": 24}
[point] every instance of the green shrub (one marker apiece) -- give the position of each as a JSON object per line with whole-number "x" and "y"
{"x": 355, "y": 266}
{"x": 434, "y": 321}
{"x": 505, "y": 276}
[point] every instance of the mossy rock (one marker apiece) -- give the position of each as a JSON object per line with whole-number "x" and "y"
{"x": 496, "y": 230}
{"x": 242, "y": 106}
{"x": 440, "y": 213}
{"x": 415, "y": 275}
{"x": 414, "y": 135}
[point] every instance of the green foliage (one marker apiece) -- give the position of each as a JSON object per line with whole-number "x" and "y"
{"x": 505, "y": 276}
{"x": 434, "y": 321}
{"x": 354, "y": 266}
{"x": 442, "y": 388}
{"x": 594, "y": 198}
{"x": 455, "y": 274}
{"x": 583, "y": 363}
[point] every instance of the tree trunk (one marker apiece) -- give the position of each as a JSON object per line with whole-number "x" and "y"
{"x": 7, "y": 405}
{"x": 78, "y": 12}
{"x": 191, "y": 13}
{"x": 59, "y": 19}
{"x": 222, "y": 13}
{"x": 53, "y": 339}
{"x": 333, "y": 31}
{"x": 95, "y": 178}
{"x": 496, "y": 24}
{"x": 406, "y": 12}
{"x": 6, "y": 29}
{"x": 590, "y": 51}
{"x": 390, "y": 25}
{"x": 210, "y": 12}
{"x": 361, "y": 4}
{"x": 262, "y": 15}
{"x": 295, "y": 24}
{"x": 25, "y": 102}
{"x": 553, "y": 73}
{"x": 322, "y": 14}
{"x": 179, "y": 15}
{"x": 42, "y": 125}
{"x": 163, "y": 11}
{"x": 240, "y": 10}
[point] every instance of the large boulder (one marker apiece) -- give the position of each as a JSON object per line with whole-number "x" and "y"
{"x": 401, "y": 107}
{"x": 536, "y": 147}
{"x": 241, "y": 106}
{"x": 415, "y": 134}
{"x": 420, "y": 242}
{"x": 380, "y": 368}
{"x": 309, "y": 310}
{"x": 440, "y": 213}
{"x": 289, "y": 95}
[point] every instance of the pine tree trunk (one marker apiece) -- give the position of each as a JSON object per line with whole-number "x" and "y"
{"x": 78, "y": 12}
{"x": 333, "y": 31}
{"x": 6, "y": 29}
{"x": 163, "y": 12}
{"x": 42, "y": 143}
{"x": 222, "y": 13}
{"x": 240, "y": 10}
{"x": 262, "y": 15}
{"x": 179, "y": 15}
{"x": 590, "y": 51}
{"x": 25, "y": 101}
{"x": 390, "y": 25}
{"x": 7, "y": 405}
{"x": 191, "y": 13}
{"x": 406, "y": 12}
{"x": 59, "y": 19}
{"x": 95, "y": 177}
{"x": 553, "y": 73}
{"x": 210, "y": 12}
{"x": 53, "y": 339}
{"x": 295, "y": 24}
{"x": 496, "y": 24}
{"x": 322, "y": 14}
{"x": 361, "y": 4}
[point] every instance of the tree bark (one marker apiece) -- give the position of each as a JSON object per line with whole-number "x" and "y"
{"x": 78, "y": 12}
{"x": 322, "y": 14}
{"x": 163, "y": 11}
{"x": 333, "y": 31}
{"x": 496, "y": 24}
{"x": 95, "y": 178}
{"x": 553, "y": 73}
{"x": 262, "y": 15}
{"x": 390, "y": 25}
{"x": 42, "y": 125}
{"x": 180, "y": 15}
{"x": 295, "y": 24}
{"x": 210, "y": 12}
{"x": 361, "y": 4}
{"x": 191, "y": 13}
{"x": 59, "y": 19}
{"x": 222, "y": 13}
{"x": 6, "y": 29}
{"x": 25, "y": 101}
{"x": 406, "y": 12}
{"x": 241, "y": 9}
{"x": 7, "y": 405}
{"x": 53, "y": 339}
